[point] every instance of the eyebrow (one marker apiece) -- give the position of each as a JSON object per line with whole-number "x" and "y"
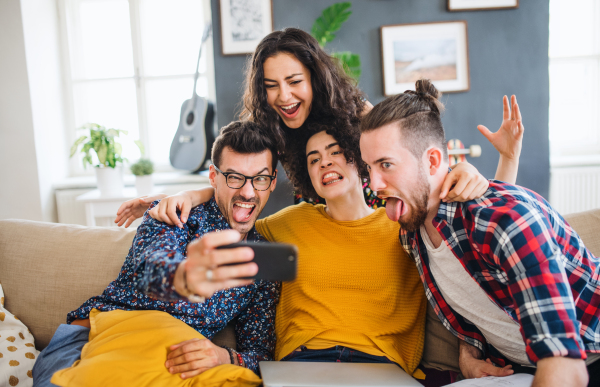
{"x": 381, "y": 160}
{"x": 327, "y": 147}
{"x": 286, "y": 78}
{"x": 230, "y": 170}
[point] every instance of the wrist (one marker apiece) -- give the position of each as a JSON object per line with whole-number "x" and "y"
{"x": 182, "y": 287}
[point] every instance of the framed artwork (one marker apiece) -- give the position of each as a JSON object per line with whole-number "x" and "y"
{"x": 436, "y": 51}
{"x": 243, "y": 24}
{"x": 475, "y": 5}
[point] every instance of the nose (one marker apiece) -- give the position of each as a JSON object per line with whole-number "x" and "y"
{"x": 247, "y": 190}
{"x": 285, "y": 92}
{"x": 325, "y": 162}
{"x": 376, "y": 182}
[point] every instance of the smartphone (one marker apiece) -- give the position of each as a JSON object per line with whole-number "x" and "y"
{"x": 276, "y": 261}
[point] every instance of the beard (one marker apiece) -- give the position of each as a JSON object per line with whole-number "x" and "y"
{"x": 419, "y": 200}
{"x": 227, "y": 212}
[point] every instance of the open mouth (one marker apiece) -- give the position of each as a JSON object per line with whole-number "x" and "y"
{"x": 394, "y": 206}
{"x": 291, "y": 110}
{"x": 242, "y": 211}
{"x": 331, "y": 178}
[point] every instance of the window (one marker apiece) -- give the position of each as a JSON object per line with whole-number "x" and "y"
{"x": 574, "y": 82}
{"x": 130, "y": 64}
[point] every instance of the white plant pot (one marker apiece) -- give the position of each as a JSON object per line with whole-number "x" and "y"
{"x": 110, "y": 181}
{"x": 144, "y": 184}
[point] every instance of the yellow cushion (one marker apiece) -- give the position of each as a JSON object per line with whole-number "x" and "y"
{"x": 129, "y": 348}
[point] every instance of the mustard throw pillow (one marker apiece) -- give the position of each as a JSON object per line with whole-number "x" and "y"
{"x": 129, "y": 348}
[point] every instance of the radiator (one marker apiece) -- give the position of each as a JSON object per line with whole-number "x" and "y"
{"x": 575, "y": 189}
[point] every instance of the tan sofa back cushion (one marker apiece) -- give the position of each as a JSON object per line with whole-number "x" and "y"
{"x": 587, "y": 225}
{"x": 48, "y": 270}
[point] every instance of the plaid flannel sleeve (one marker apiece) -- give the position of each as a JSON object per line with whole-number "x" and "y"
{"x": 519, "y": 239}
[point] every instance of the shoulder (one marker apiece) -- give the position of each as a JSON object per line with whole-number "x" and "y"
{"x": 288, "y": 219}
{"x": 507, "y": 206}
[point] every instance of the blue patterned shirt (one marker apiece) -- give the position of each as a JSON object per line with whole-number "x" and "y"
{"x": 146, "y": 283}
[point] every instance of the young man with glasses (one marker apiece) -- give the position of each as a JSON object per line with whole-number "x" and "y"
{"x": 168, "y": 266}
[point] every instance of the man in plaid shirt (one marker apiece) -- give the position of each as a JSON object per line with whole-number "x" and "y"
{"x": 505, "y": 273}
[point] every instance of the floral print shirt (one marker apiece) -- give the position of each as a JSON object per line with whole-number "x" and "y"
{"x": 146, "y": 283}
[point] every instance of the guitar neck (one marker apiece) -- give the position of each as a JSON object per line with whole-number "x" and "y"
{"x": 205, "y": 36}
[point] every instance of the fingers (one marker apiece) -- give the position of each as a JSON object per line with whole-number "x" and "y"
{"x": 213, "y": 240}
{"x": 456, "y": 191}
{"x": 185, "y": 210}
{"x": 188, "y": 346}
{"x": 486, "y": 132}
{"x": 490, "y": 370}
{"x": 171, "y": 213}
{"x": 129, "y": 221}
{"x": 124, "y": 206}
{"x": 175, "y": 346}
{"x": 506, "y": 109}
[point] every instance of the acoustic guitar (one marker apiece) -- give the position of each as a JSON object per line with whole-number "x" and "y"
{"x": 190, "y": 148}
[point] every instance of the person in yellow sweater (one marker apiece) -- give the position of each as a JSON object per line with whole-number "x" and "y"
{"x": 358, "y": 296}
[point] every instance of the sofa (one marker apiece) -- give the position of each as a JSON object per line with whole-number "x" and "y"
{"x": 49, "y": 269}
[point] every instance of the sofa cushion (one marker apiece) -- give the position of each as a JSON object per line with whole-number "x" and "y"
{"x": 48, "y": 270}
{"x": 587, "y": 225}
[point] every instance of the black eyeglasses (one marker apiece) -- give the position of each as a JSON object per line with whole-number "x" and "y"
{"x": 237, "y": 180}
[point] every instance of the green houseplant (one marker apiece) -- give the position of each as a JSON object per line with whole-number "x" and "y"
{"x": 143, "y": 169}
{"x": 324, "y": 29}
{"x": 101, "y": 143}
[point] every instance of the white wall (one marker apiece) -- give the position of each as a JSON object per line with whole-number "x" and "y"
{"x": 19, "y": 183}
{"x": 42, "y": 50}
{"x": 33, "y": 152}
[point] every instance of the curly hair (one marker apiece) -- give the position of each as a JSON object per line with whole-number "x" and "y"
{"x": 348, "y": 139}
{"x": 336, "y": 99}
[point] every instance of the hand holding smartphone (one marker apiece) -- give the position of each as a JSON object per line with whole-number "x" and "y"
{"x": 276, "y": 261}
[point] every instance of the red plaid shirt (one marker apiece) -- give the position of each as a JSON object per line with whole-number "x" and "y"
{"x": 529, "y": 261}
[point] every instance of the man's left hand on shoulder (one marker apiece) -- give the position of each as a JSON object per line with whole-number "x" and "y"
{"x": 192, "y": 357}
{"x": 560, "y": 372}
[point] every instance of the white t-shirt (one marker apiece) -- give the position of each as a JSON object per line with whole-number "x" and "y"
{"x": 468, "y": 299}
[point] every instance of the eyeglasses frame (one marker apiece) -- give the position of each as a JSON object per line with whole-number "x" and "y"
{"x": 246, "y": 178}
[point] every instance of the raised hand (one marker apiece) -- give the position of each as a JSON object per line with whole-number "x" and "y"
{"x": 509, "y": 138}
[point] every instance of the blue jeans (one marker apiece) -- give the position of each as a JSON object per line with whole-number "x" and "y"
{"x": 64, "y": 349}
{"x": 335, "y": 354}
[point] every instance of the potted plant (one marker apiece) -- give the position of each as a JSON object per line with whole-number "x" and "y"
{"x": 107, "y": 161}
{"x": 143, "y": 170}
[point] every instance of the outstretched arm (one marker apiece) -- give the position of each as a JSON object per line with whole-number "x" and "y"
{"x": 507, "y": 141}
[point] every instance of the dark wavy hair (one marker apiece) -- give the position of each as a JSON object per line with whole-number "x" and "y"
{"x": 348, "y": 139}
{"x": 336, "y": 99}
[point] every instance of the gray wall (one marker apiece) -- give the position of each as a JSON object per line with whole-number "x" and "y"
{"x": 508, "y": 54}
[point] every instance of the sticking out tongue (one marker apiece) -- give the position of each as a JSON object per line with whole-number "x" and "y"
{"x": 241, "y": 214}
{"x": 394, "y": 208}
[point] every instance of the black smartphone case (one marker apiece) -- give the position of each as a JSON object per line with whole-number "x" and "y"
{"x": 276, "y": 261}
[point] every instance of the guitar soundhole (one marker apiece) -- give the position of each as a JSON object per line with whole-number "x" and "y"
{"x": 190, "y": 118}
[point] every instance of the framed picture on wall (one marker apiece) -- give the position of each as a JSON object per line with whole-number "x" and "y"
{"x": 243, "y": 24}
{"x": 436, "y": 51}
{"x": 475, "y": 5}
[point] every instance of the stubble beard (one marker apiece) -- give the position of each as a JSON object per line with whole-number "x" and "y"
{"x": 420, "y": 198}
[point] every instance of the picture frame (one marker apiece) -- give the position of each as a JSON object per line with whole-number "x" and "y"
{"x": 478, "y": 5}
{"x": 243, "y": 24}
{"x": 437, "y": 51}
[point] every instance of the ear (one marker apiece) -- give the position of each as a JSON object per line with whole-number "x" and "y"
{"x": 212, "y": 176}
{"x": 434, "y": 160}
{"x": 274, "y": 182}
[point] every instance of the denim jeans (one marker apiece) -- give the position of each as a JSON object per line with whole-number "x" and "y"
{"x": 335, "y": 354}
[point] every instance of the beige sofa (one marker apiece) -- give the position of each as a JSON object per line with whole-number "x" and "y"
{"x": 47, "y": 270}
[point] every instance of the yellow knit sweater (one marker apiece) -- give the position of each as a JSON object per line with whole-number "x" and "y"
{"x": 356, "y": 286}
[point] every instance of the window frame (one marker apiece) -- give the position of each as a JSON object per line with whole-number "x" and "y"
{"x": 75, "y": 165}
{"x": 582, "y": 155}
